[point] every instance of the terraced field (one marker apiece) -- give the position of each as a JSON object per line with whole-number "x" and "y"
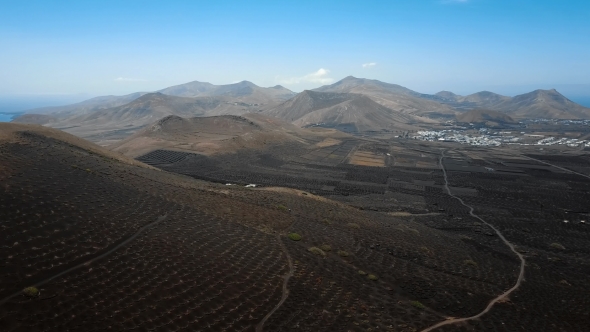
{"x": 540, "y": 208}
{"x": 109, "y": 245}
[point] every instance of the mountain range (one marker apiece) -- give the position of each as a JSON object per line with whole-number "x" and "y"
{"x": 351, "y": 104}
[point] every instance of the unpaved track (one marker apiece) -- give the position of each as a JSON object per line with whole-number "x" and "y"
{"x": 88, "y": 262}
{"x": 510, "y": 245}
{"x": 561, "y": 168}
{"x": 260, "y": 326}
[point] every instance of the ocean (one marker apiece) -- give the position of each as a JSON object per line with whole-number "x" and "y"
{"x": 7, "y": 117}
{"x": 584, "y": 101}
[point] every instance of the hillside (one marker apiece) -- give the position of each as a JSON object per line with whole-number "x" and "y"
{"x": 394, "y": 97}
{"x": 87, "y": 106}
{"x": 110, "y": 125}
{"x": 242, "y": 91}
{"x": 238, "y": 98}
{"x": 485, "y": 116}
{"x": 345, "y": 111}
{"x": 209, "y": 135}
{"x": 133, "y": 245}
{"x": 548, "y": 104}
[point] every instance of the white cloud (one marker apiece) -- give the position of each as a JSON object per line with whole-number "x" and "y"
{"x": 320, "y": 76}
{"x": 127, "y": 79}
{"x": 369, "y": 65}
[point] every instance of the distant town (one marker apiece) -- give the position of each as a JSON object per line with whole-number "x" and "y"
{"x": 492, "y": 137}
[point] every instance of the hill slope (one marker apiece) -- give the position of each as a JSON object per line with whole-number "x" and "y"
{"x": 208, "y": 135}
{"x": 172, "y": 250}
{"x": 548, "y": 104}
{"x": 242, "y": 91}
{"x": 235, "y": 98}
{"x": 392, "y": 96}
{"x": 345, "y": 111}
{"x": 483, "y": 116}
{"x": 87, "y": 106}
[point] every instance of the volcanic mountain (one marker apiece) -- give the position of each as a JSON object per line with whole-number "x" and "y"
{"x": 242, "y": 91}
{"x": 235, "y": 98}
{"x": 392, "y": 96}
{"x": 84, "y": 107}
{"x": 349, "y": 112}
{"x": 215, "y": 134}
{"x": 489, "y": 117}
{"x": 548, "y": 104}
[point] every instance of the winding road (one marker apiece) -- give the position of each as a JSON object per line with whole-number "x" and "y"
{"x": 508, "y": 243}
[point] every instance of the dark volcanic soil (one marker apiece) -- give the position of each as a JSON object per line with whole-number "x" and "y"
{"x": 214, "y": 257}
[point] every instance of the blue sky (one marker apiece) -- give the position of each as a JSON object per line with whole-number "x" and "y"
{"x": 87, "y": 48}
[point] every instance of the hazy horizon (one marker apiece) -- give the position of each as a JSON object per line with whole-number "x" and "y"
{"x": 65, "y": 48}
{"x": 25, "y": 102}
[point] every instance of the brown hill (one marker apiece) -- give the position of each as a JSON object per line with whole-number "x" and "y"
{"x": 216, "y": 134}
{"x": 394, "y": 97}
{"x": 548, "y": 104}
{"x": 87, "y": 106}
{"x": 485, "y": 116}
{"x": 244, "y": 91}
{"x": 34, "y": 119}
{"x": 484, "y": 99}
{"x": 345, "y": 111}
{"x": 109, "y": 125}
{"x": 447, "y": 95}
{"x": 207, "y": 99}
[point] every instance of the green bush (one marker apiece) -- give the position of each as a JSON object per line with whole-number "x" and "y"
{"x": 282, "y": 207}
{"x": 294, "y": 236}
{"x": 343, "y": 253}
{"x": 317, "y": 251}
{"x": 363, "y": 273}
{"x": 326, "y": 247}
{"x": 31, "y": 291}
{"x": 417, "y": 304}
{"x": 470, "y": 262}
{"x": 372, "y": 277}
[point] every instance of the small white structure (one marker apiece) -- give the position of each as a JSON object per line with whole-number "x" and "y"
{"x": 251, "y": 186}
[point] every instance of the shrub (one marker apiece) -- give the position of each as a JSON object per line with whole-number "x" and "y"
{"x": 363, "y": 273}
{"x": 426, "y": 251}
{"x": 317, "y": 251}
{"x": 417, "y": 304}
{"x": 31, "y": 291}
{"x": 343, "y": 253}
{"x": 470, "y": 262}
{"x": 326, "y": 247}
{"x": 353, "y": 225}
{"x": 556, "y": 245}
{"x": 282, "y": 207}
{"x": 464, "y": 237}
{"x": 372, "y": 277}
{"x": 294, "y": 236}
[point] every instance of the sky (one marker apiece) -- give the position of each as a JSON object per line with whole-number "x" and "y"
{"x": 78, "y": 49}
